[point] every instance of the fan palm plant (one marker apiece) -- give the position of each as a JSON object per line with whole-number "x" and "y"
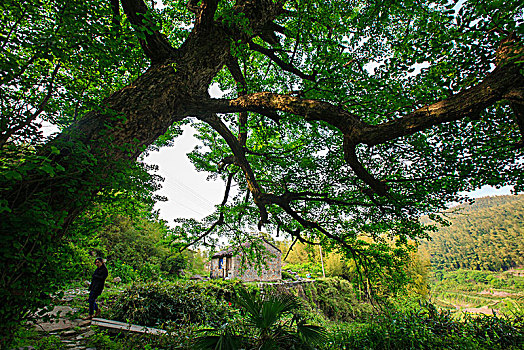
{"x": 268, "y": 323}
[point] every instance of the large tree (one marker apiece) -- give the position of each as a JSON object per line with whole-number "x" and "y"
{"x": 342, "y": 121}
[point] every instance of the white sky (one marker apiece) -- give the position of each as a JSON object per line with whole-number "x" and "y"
{"x": 189, "y": 193}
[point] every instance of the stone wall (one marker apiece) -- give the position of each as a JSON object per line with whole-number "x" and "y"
{"x": 270, "y": 271}
{"x": 237, "y": 267}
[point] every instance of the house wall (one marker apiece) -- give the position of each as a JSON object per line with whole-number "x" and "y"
{"x": 224, "y": 270}
{"x": 248, "y": 272}
{"x": 213, "y": 270}
{"x": 271, "y": 272}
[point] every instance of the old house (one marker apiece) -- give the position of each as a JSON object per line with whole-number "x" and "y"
{"x": 234, "y": 263}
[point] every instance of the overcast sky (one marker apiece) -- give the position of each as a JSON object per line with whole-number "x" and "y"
{"x": 189, "y": 193}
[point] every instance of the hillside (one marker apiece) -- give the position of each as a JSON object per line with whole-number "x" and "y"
{"x": 486, "y": 235}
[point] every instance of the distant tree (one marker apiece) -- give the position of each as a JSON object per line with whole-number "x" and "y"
{"x": 487, "y": 235}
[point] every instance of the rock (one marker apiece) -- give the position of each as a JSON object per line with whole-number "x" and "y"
{"x": 196, "y": 278}
{"x": 85, "y": 335}
{"x": 70, "y": 332}
{"x": 59, "y": 310}
{"x": 117, "y": 280}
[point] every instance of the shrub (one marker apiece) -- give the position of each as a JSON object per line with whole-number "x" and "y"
{"x": 428, "y": 328}
{"x": 269, "y": 322}
{"x": 287, "y": 276}
{"x": 152, "y": 304}
{"x": 123, "y": 270}
{"x": 314, "y": 270}
{"x": 337, "y": 299}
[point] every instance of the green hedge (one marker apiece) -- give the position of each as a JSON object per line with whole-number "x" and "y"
{"x": 180, "y": 302}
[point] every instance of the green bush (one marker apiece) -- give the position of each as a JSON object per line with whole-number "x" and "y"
{"x": 287, "y": 276}
{"x": 173, "y": 264}
{"x": 337, "y": 299}
{"x": 183, "y": 302}
{"x": 314, "y": 270}
{"x": 123, "y": 270}
{"x": 102, "y": 340}
{"x": 428, "y": 328}
{"x": 179, "y": 338}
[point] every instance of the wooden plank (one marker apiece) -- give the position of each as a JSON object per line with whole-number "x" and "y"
{"x": 97, "y": 319}
{"x": 121, "y": 326}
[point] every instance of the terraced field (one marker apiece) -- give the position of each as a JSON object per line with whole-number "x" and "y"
{"x": 479, "y": 291}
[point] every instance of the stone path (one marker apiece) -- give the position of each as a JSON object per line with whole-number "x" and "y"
{"x": 71, "y": 331}
{"x": 75, "y": 339}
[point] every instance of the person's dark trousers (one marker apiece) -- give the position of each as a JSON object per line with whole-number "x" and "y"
{"x": 92, "y": 302}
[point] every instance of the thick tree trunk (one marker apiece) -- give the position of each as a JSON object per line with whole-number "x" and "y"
{"x": 39, "y": 208}
{"x": 91, "y": 152}
{"x": 134, "y": 117}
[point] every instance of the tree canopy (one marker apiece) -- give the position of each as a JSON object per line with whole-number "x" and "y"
{"x": 342, "y": 121}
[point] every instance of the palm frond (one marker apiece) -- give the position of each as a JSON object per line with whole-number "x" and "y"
{"x": 311, "y": 334}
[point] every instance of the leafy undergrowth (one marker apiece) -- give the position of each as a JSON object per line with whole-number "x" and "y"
{"x": 25, "y": 337}
{"x": 337, "y": 299}
{"x": 185, "y": 309}
{"x": 181, "y": 302}
{"x": 428, "y": 328}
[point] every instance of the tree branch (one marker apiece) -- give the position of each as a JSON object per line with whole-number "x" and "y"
{"x": 285, "y": 66}
{"x": 241, "y": 161}
{"x": 276, "y": 28}
{"x": 313, "y": 225}
{"x": 192, "y": 5}
{"x": 293, "y": 233}
{"x": 261, "y": 102}
{"x": 288, "y": 197}
{"x": 33, "y": 116}
{"x": 499, "y": 84}
{"x": 503, "y": 83}
{"x": 220, "y": 220}
{"x": 518, "y": 110}
{"x": 236, "y": 72}
{"x": 290, "y": 248}
{"x": 115, "y": 8}
{"x": 206, "y": 13}
{"x": 351, "y": 158}
{"x": 154, "y": 44}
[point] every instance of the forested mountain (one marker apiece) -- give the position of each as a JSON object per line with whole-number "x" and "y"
{"x": 486, "y": 235}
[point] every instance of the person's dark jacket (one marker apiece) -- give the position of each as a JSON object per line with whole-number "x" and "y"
{"x": 98, "y": 279}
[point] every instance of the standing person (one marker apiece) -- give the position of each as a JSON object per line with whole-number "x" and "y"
{"x": 96, "y": 287}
